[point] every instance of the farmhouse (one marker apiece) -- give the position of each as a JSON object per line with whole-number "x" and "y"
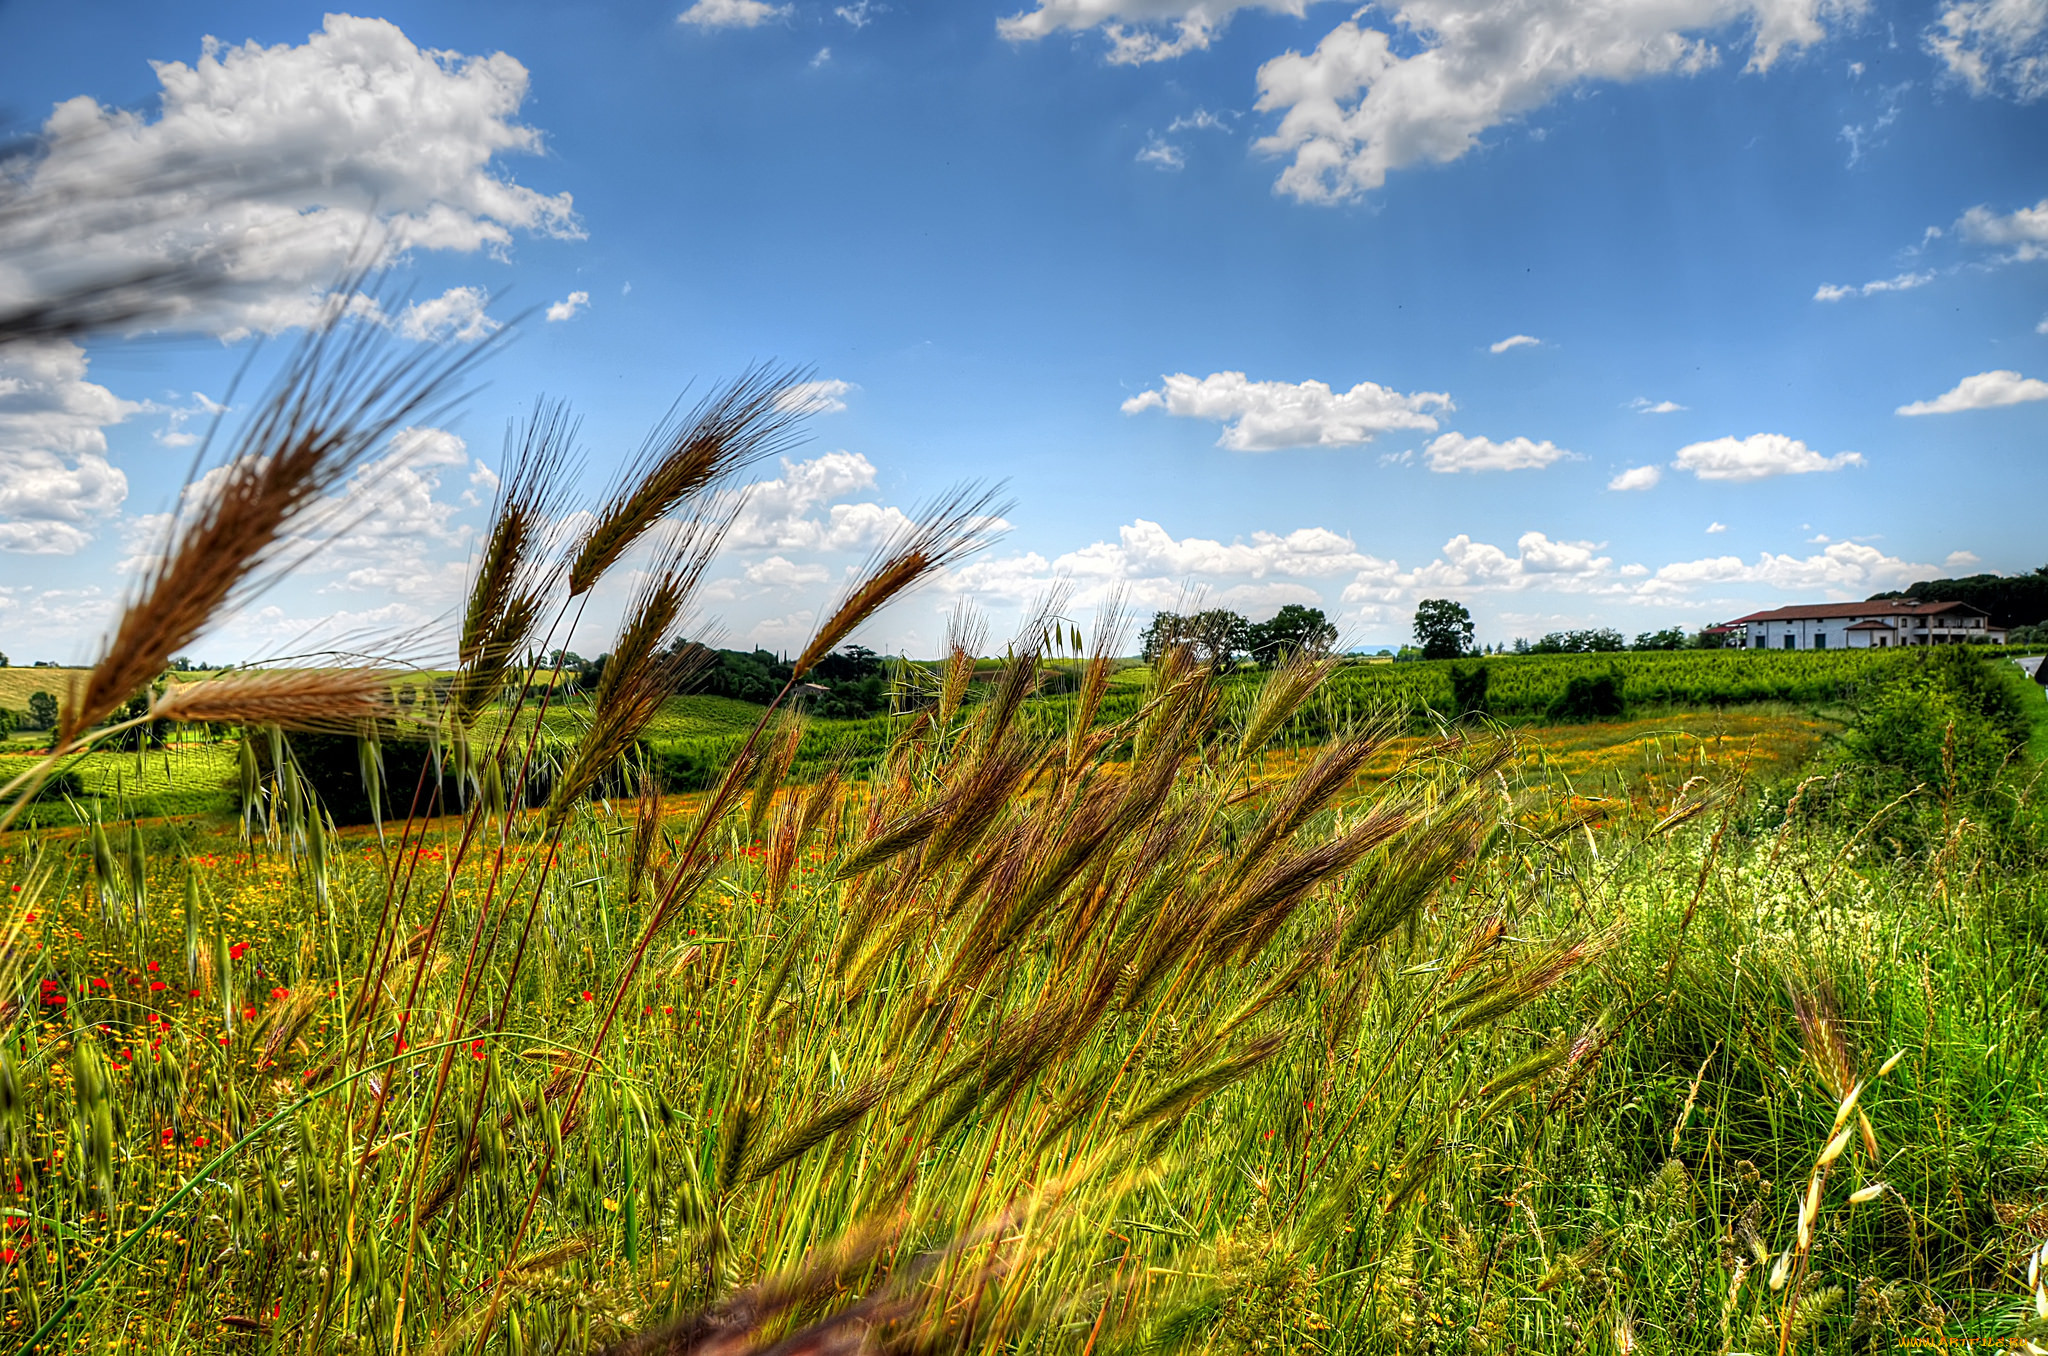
{"x": 1878, "y": 624}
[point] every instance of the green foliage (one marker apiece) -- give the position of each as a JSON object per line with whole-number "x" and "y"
{"x": 1670, "y": 638}
{"x": 1217, "y": 636}
{"x": 1292, "y": 629}
{"x": 1591, "y": 696}
{"x": 1601, "y": 640}
{"x": 1468, "y": 690}
{"x": 42, "y": 711}
{"x": 1443, "y": 628}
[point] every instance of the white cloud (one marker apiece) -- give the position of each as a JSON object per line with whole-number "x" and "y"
{"x": 1960, "y": 560}
{"x": 1985, "y": 391}
{"x": 2025, "y": 230}
{"x": 1904, "y": 282}
{"x": 1712, "y": 528}
{"x": 355, "y": 135}
{"x": 1844, "y": 567}
{"x": 1514, "y": 341}
{"x": 783, "y": 514}
{"x": 1994, "y": 46}
{"x": 860, "y": 13}
{"x": 780, "y": 572}
{"x": 816, "y": 397}
{"x": 55, "y": 480}
{"x": 823, "y": 55}
{"x": 1368, "y": 101}
{"x": 1262, "y": 416}
{"x": 1201, "y": 120}
{"x": 1452, "y": 452}
{"x": 1135, "y": 28}
{"x": 1758, "y": 457}
{"x": 174, "y": 432}
{"x": 1643, "y": 406}
{"x": 457, "y": 314}
{"x": 731, "y": 13}
{"x": 567, "y": 307}
{"x": 1637, "y": 478}
{"x": 1163, "y": 155}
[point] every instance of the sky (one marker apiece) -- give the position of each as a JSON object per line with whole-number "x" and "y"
{"x": 1638, "y": 314}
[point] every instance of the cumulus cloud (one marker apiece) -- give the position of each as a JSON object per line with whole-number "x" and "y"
{"x": 1514, "y": 341}
{"x": 1712, "y": 528}
{"x": 1985, "y": 391}
{"x": 1904, "y": 282}
{"x": 357, "y": 135}
{"x": 1642, "y": 405}
{"x": 1637, "y": 478}
{"x": 781, "y": 572}
{"x": 1139, "y": 30}
{"x": 1994, "y": 46}
{"x": 55, "y": 480}
{"x": 795, "y": 511}
{"x": 457, "y": 314}
{"x": 1452, "y": 452}
{"x": 2024, "y": 231}
{"x": 1758, "y": 457}
{"x": 730, "y": 13}
{"x": 1263, "y": 416}
{"x": 1846, "y": 567}
{"x": 1367, "y": 101}
{"x": 567, "y": 307}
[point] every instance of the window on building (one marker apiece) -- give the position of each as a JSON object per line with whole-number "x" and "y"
{"x": 1791, "y": 642}
{"x": 1820, "y": 640}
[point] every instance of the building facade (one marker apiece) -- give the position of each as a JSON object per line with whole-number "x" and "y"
{"x": 1880, "y": 624}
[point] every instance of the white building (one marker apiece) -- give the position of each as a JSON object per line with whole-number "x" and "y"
{"x": 1879, "y": 624}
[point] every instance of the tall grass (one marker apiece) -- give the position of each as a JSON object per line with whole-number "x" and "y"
{"x": 1093, "y": 1026}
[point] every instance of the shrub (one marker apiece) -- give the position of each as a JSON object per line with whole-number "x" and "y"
{"x": 1590, "y": 697}
{"x": 1468, "y": 690}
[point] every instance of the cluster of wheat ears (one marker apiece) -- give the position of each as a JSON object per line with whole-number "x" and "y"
{"x": 971, "y": 1044}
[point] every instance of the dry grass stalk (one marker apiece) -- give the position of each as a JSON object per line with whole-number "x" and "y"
{"x": 297, "y": 699}
{"x": 742, "y": 423}
{"x": 513, "y": 574}
{"x": 953, "y": 527}
{"x": 337, "y": 399}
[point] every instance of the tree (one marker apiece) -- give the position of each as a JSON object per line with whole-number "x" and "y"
{"x": 1443, "y": 628}
{"x": 1292, "y": 629}
{"x": 42, "y": 711}
{"x": 1670, "y": 638}
{"x": 1603, "y": 640}
{"x": 1217, "y": 636}
{"x": 2011, "y": 599}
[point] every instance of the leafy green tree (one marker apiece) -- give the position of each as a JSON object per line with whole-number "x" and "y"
{"x": 1670, "y": 638}
{"x": 1292, "y": 629}
{"x": 1603, "y": 640}
{"x": 42, "y": 711}
{"x": 1443, "y": 628}
{"x": 1217, "y": 636}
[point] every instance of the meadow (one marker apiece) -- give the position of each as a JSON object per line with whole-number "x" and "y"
{"x": 1075, "y": 1008}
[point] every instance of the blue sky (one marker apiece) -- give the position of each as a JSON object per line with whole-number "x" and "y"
{"x": 1631, "y": 315}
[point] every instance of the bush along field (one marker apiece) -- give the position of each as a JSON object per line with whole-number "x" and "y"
{"x": 1139, "y": 1020}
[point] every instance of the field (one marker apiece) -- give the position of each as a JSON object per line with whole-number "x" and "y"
{"x": 1548, "y": 1063}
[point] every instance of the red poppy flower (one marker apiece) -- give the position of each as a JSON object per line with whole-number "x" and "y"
{"x": 248, "y": 1014}
{"x": 279, "y": 995}
{"x": 157, "y": 986}
{"x": 152, "y": 967}
{"x": 235, "y": 951}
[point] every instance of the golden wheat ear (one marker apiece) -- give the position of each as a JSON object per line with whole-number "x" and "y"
{"x": 514, "y": 572}
{"x": 341, "y": 394}
{"x": 298, "y": 699}
{"x": 737, "y": 425}
{"x": 951, "y": 528}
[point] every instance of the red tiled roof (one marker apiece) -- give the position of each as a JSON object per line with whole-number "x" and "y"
{"x": 1871, "y": 625}
{"x": 1883, "y": 607}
